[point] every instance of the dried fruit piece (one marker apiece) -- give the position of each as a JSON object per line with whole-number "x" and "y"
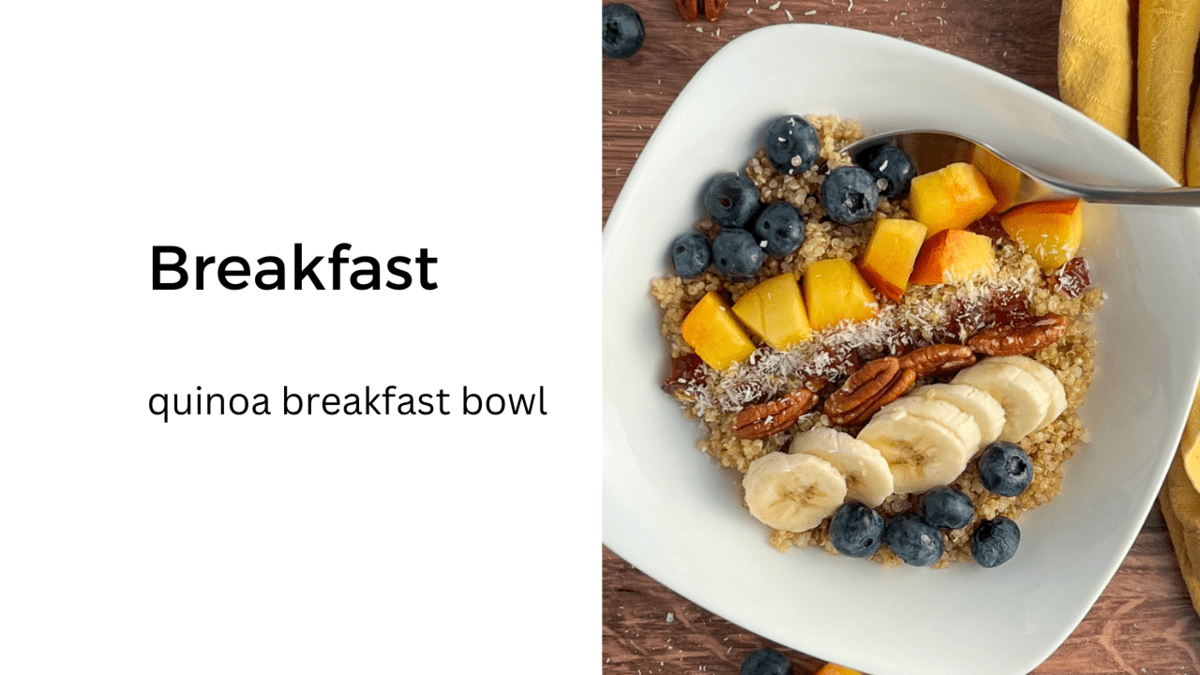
{"x": 1073, "y": 278}
{"x": 1009, "y": 307}
{"x": 989, "y": 226}
{"x": 686, "y": 371}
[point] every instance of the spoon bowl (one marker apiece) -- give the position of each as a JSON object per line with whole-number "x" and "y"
{"x": 1013, "y": 183}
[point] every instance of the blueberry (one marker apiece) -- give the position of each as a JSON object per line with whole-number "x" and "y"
{"x": 856, "y": 530}
{"x": 690, "y": 254}
{"x": 730, "y": 200}
{"x": 791, "y": 144}
{"x": 849, "y": 195}
{"x": 623, "y": 31}
{"x": 737, "y": 255}
{"x": 766, "y": 662}
{"x": 781, "y": 226}
{"x": 891, "y": 168}
{"x": 946, "y": 507}
{"x": 1004, "y": 468}
{"x": 913, "y": 540}
{"x": 995, "y": 541}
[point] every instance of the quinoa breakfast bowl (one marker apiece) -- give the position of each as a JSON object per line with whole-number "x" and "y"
{"x": 899, "y": 380}
{"x": 677, "y": 511}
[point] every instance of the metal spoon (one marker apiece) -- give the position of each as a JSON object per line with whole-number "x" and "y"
{"x": 1013, "y": 184}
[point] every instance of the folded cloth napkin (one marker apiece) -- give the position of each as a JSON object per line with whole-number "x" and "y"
{"x": 1096, "y": 69}
{"x": 1098, "y": 66}
{"x": 1181, "y": 509}
{"x": 1095, "y": 61}
{"x": 1181, "y": 505}
{"x": 1180, "y": 501}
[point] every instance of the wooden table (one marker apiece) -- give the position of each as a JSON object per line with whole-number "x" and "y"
{"x": 1144, "y": 622}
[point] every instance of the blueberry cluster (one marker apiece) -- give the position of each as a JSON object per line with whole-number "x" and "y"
{"x": 751, "y": 230}
{"x": 858, "y": 531}
{"x": 850, "y": 194}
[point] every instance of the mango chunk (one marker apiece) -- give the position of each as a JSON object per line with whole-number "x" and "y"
{"x": 1051, "y": 232}
{"x": 953, "y": 255}
{"x": 713, "y": 331}
{"x": 888, "y": 261}
{"x": 774, "y": 311}
{"x": 834, "y": 669}
{"x": 834, "y": 291}
{"x": 950, "y": 198}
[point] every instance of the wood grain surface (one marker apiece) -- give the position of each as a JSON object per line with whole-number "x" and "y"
{"x": 1144, "y": 622}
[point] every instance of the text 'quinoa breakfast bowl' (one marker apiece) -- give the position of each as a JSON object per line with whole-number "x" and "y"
{"x": 892, "y": 362}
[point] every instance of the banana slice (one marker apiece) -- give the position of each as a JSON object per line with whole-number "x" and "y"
{"x": 793, "y": 492}
{"x": 868, "y": 478}
{"x": 921, "y": 453}
{"x": 980, "y": 405}
{"x": 1025, "y": 401}
{"x": 1046, "y": 377}
{"x": 948, "y": 415}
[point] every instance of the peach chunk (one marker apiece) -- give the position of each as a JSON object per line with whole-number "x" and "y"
{"x": 950, "y": 198}
{"x": 834, "y": 291}
{"x": 1051, "y": 232}
{"x": 774, "y": 311}
{"x": 891, "y": 252}
{"x": 711, "y": 329}
{"x": 1003, "y": 178}
{"x": 953, "y": 255}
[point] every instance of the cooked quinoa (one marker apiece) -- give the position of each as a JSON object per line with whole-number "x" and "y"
{"x": 926, "y": 315}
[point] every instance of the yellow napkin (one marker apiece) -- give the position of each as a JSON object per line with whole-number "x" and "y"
{"x": 1096, "y": 71}
{"x": 1097, "y": 68}
{"x": 1180, "y": 503}
{"x": 1095, "y": 61}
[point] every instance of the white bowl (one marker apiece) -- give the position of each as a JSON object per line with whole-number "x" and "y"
{"x": 671, "y": 511}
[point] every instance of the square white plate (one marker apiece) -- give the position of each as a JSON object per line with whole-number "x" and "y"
{"x": 671, "y": 511}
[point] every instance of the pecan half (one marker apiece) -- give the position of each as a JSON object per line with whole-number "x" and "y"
{"x": 689, "y": 10}
{"x": 868, "y": 389}
{"x": 937, "y": 360}
{"x": 714, "y": 9}
{"x": 764, "y": 419}
{"x": 863, "y": 385}
{"x": 899, "y": 387}
{"x": 1021, "y": 338}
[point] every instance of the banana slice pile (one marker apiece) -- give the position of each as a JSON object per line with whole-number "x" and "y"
{"x": 918, "y": 442}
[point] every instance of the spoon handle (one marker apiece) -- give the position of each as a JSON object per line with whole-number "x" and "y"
{"x": 1172, "y": 196}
